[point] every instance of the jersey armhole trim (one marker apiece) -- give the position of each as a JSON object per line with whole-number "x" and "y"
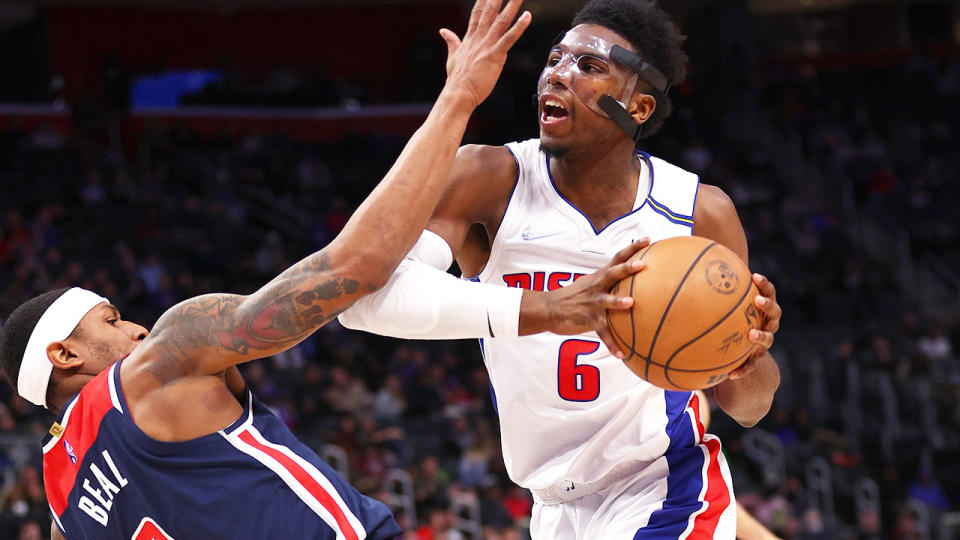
{"x": 671, "y": 216}
{"x": 56, "y": 521}
{"x": 112, "y": 379}
{"x": 693, "y": 211}
{"x": 244, "y": 421}
{"x": 494, "y": 244}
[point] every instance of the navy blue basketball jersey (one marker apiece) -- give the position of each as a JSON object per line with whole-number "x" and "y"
{"x": 106, "y": 479}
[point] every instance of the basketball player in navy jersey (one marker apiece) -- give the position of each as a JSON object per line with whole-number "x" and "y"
{"x": 605, "y": 454}
{"x": 168, "y": 442}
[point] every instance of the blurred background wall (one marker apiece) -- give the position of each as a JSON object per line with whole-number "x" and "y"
{"x": 154, "y": 150}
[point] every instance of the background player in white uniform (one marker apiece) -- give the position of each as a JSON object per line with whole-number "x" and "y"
{"x": 605, "y": 454}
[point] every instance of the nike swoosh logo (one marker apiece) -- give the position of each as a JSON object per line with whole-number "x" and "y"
{"x": 527, "y": 236}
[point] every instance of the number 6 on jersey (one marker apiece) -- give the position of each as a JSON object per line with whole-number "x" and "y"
{"x": 577, "y": 382}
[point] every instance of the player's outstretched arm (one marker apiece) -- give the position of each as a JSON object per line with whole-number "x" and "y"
{"x": 421, "y": 301}
{"x": 209, "y": 333}
{"x": 747, "y": 394}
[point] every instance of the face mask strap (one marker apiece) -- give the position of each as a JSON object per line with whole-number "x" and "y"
{"x": 617, "y": 110}
{"x": 621, "y": 117}
{"x": 647, "y": 72}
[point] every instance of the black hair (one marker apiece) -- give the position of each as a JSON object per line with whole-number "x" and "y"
{"x": 17, "y": 329}
{"x": 653, "y": 36}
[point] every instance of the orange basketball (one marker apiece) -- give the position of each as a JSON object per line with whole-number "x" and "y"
{"x": 693, "y": 306}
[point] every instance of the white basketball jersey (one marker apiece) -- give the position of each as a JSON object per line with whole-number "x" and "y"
{"x": 570, "y": 411}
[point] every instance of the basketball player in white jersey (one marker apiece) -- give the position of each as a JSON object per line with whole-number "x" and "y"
{"x": 605, "y": 455}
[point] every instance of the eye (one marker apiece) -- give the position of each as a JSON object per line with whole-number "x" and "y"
{"x": 588, "y": 65}
{"x": 553, "y": 60}
{"x": 113, "y": 321}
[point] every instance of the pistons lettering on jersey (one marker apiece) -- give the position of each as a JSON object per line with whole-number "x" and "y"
{"x": 539, "y": 281}
{"x": 101, "y": 502}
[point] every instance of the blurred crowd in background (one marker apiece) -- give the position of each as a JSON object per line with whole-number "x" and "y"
{"x": 844, "y": 177}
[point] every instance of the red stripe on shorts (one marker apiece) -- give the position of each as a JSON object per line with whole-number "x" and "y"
{"x": 695, "y": 405}
{"x": 717, "y": 497}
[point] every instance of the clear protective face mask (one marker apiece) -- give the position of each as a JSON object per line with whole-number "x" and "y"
{"x": 584, "y": 66}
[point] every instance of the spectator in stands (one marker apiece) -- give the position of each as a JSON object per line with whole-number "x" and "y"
{"x": 498, "y": 524}
{"x": 390, "y": 401}
{"x": 439, "y": 523}
{"x": 430, "y": 482}
{"x": 927, "y": 490}
{"x": 30, "y": 530}
{"x": 475, "y": 462}
{"x": 346, "y": 392}
{"x": 935, "y": 344}
{"x": 24, "y": 503}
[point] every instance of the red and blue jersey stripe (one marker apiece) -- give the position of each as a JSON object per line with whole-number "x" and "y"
{"x": 697, "y": 492}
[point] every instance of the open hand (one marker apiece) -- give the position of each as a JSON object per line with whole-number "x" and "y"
{"x": 474, "y": 63}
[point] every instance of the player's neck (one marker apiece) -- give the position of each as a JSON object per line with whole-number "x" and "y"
{"x": 63, "y": 389}
{"x": 602, "y": 185}
{"x": 58, "y": 399}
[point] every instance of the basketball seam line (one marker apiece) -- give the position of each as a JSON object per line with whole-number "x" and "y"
{"x": 663, "y": 317}
{"x": 633, "y": 330}
{"x": 613, "y": 330}
{"x": 705, "y": 332}
{"x": 702, "y": 370}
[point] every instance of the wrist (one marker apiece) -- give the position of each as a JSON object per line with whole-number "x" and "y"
{"x": 534, "y": 313}
{"x": 457, "y": 99}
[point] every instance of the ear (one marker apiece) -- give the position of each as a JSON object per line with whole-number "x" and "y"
{"x": 641, "y": 106}
{"x": 62, "y": 356}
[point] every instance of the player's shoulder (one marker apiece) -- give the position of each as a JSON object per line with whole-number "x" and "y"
{"x": 715, "y": 217}
{"x": 481, "y": 182}
{"x": 713, "y": 204}
{"x": 486, "y": 162}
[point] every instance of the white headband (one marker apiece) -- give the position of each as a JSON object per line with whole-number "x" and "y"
{"x": 56, "y": 323}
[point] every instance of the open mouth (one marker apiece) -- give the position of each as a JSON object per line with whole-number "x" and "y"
{"x": 553, "y": 111}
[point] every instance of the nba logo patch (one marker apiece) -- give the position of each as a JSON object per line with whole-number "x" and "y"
{"x": 73, "y": 457}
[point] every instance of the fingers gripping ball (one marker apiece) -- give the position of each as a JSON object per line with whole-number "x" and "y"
{"x": 693, "y": 307}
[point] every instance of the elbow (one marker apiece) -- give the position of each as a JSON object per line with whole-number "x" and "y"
{"x": 363, "y": 269}
{"x": 374, "y": 282}
{"x": 371, "y": 272}
{"x": 752, "y": 420}
{"x": 751, "y": 414}
{"x": 747, "y": 401}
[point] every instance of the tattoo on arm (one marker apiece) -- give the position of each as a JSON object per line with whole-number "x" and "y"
{"x": 239, "y": 328}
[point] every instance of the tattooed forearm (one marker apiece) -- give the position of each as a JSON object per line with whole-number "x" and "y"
{"x": 276, "y": 317}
